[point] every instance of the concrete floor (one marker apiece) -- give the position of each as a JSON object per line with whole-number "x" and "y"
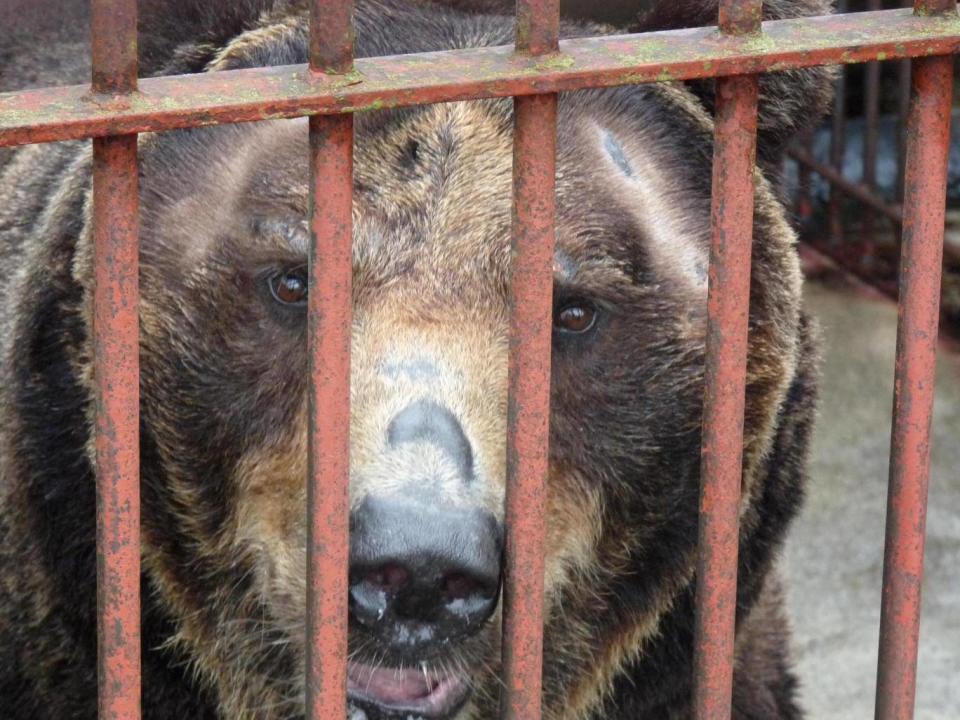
{"x": 834, "y": 556}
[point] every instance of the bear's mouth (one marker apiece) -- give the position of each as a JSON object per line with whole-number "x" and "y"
{"x": 383, "y": 693}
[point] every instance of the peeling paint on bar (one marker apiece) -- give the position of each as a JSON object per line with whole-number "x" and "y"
{"x": 266, "y": 93}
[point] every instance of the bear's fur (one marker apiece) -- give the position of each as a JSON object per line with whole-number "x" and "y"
{"x": 224, "y": 376}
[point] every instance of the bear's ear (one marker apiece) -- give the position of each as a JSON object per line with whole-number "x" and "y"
{"x": 182, "y": 36}
{"x": 791, "y": 101}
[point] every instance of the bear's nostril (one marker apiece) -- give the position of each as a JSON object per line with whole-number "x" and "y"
{"x": 458, "y": 587}
{"x": 389, "y": 578}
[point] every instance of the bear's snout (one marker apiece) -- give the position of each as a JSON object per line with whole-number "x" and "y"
{"x": 422, "y": 574}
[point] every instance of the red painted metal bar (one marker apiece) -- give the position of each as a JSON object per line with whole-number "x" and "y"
{"x": 50, "y": 114}
{"x": 538, "y": 26}
{"x": 531, "y": 332}
{"x": 114, "y": 46}
{"x": 728, "y": 305}
{"x": 531, "y": 340}
{"x": 928, "y": 138}
{"x": 117, "y": 372}
{"x": 331, "y": 36}
{"x": 330, "y": 325}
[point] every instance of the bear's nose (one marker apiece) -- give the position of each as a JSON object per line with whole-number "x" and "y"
{"x": 422, "y": 575}
{"x": 427, "y": 422}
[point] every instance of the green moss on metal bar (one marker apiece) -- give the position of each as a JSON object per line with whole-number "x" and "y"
{"x": 757, "y": 43}
{"x": 555, "y": 62}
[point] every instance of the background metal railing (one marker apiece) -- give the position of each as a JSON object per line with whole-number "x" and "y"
{"x": 849, "y": 181}
{"x": 115, "y": 108}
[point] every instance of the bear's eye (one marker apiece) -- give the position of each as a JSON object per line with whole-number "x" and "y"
{"x": 575, "y": 318}
{"x": 290, "y": 286}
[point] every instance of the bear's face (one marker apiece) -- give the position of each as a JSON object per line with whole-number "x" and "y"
{"x": 225, "y": 385}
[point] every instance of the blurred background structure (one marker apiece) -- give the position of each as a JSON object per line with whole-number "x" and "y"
{"x": 846, "y": 179}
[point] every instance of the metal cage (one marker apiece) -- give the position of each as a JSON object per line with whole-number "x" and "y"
{"x": 117, "y": 107}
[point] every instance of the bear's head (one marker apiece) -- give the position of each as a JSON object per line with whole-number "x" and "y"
{"x": 224, "y": 245}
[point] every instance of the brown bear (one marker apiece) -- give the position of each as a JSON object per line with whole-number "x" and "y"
{"x": 224, "y": 388}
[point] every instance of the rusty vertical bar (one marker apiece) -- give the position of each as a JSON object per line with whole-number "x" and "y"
{"x": 113, "y": 25}
{"x": 116, "y": 370}
{"x": 928, "y": 138}
{"x": 728, "y": 304}
{"x": 529, "y": 404}
{"x": 531, "y": 338}
{"x": 871, "y": 116}
{"x": 538, "y": 26}
{"x": 330, "y": 311}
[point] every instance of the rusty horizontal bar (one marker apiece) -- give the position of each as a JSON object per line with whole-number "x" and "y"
{"x": 51, "y": 114}
{"x": 928, "y": 140}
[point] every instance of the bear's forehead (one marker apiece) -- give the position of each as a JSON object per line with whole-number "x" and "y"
{"x": 433, "y": 195}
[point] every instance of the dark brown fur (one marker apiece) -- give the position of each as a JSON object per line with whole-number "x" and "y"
{"x": 224, "y": 378}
